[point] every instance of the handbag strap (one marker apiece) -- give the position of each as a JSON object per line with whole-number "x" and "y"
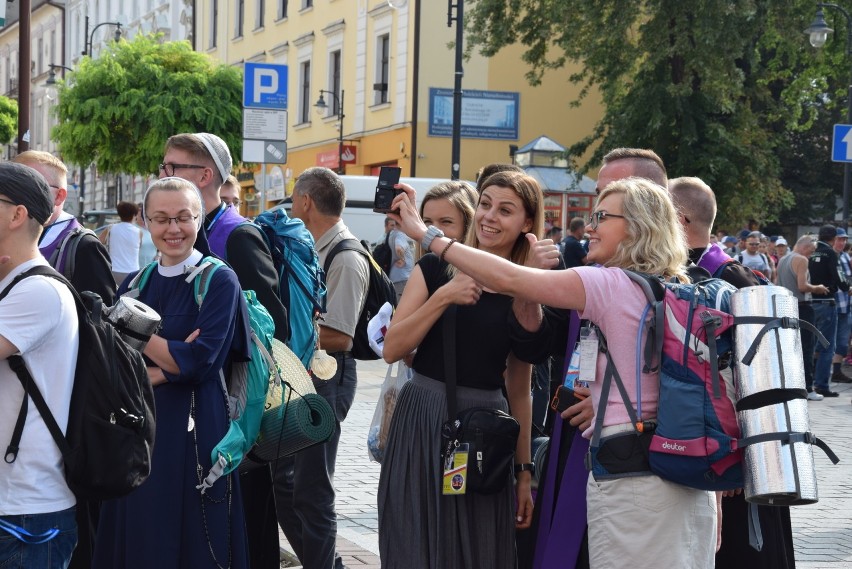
{"x": 449, "y": 324}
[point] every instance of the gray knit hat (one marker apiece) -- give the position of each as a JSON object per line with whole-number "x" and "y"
{"x": 24, "y": 186}
{"x": 218, "y": 152}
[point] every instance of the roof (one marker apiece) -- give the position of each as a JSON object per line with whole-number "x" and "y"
{"x": 542, "y": 144}
{"x": 561, "y": 180}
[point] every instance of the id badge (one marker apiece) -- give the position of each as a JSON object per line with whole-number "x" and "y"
{"x": 572, "y": 374}
{"x": 455, "y": 472}
{"x": 588, "y": 354}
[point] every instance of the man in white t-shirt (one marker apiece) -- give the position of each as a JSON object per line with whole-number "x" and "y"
{"x": 123, "y": 241}
{"x": 752, "y": 257}
{"x": 38, "y": 321}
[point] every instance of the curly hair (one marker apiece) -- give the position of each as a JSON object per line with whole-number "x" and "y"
{"x": 655, "y": 242}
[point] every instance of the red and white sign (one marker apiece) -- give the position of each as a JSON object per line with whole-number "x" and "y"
{"x": 328, "y": 159}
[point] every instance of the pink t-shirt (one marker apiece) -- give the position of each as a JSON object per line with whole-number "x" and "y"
{"x": 615, "y": 304}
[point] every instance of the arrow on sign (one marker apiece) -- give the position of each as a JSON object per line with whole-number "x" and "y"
{"x": 848, "y": 140}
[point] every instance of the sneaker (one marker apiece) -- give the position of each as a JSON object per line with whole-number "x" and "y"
{"x": 813, "y": 396}
{"x": 826, "y": 392}
{"x": 840, "y": 377}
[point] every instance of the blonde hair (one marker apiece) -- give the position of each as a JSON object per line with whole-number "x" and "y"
{"x": 532, "y": 200}
{"x": 655, "y": 242}
{"x": 175, "y": 184}
{"x": 460, "y": 195}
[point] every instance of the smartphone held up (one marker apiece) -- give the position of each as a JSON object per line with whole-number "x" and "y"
{"x": 385, "y": 191}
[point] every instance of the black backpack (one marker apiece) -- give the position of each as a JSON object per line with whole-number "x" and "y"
{"x": 383, "y": 255}
{"x": 379, "y": 291}
{"x": 110, "y": 436}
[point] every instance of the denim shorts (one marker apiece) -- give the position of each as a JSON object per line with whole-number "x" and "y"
{"x": 54, "y": 554}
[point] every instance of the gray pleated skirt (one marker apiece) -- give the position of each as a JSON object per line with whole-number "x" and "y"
{"x": 419, "y": 527}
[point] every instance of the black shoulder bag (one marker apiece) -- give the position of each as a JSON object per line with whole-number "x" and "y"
{"x": 491, "y": 434}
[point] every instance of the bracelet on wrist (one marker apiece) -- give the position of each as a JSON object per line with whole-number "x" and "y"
{"x": 447, "y": 248}
{"x": 524, "y": 467}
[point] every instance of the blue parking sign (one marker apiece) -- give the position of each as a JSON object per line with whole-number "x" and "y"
{"x": 265, "y": 86}
{"x": 841, "y": 145}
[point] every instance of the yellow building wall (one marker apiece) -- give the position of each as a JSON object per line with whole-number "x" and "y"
{"x": 385, "y": 133}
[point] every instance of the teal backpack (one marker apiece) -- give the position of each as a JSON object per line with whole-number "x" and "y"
{"x": 249, "y": 381}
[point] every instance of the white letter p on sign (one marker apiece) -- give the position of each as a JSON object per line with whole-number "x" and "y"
{"x": 260, "y": 88}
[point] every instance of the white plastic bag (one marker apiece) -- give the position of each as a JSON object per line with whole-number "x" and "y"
{"x": 377, "y": 436}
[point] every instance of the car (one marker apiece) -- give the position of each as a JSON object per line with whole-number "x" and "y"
{"x": 98, "y": 218}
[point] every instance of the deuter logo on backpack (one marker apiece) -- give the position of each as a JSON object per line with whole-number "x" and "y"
{"x": 379, "y": 291}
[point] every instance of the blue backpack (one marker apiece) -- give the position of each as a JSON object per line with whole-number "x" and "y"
{"x": 301, "y": 279}
{"x": 249, "y": 381}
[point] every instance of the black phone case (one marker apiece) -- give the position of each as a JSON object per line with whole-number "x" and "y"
{"x": 564, "y": 398}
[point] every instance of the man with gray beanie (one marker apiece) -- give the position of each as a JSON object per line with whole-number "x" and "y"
{"x": 38, "y": 320}
{"x": 205, "y": 160}
{"x": 824, "y": 267}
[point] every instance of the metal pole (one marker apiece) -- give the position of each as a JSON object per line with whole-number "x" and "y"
{"x": 457, "y": 87}
{"x": 24, "y": 76}
{"x": 340, "y": 167}
{"x": 86, "y": 37}
{"x": 847, "y": 167}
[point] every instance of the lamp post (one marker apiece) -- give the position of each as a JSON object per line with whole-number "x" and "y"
{"x": 322, "y": 107}
{"x": 818, "y": 33}
{"x": 51, "y": 77}
{"x": 87, "y": 49}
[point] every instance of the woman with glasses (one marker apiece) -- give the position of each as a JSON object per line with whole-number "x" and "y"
{"x": 167, "y": 522}
{"x": 639, "y": 519}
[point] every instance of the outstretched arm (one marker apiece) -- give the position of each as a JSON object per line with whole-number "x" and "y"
{"x": 561, "y": 289}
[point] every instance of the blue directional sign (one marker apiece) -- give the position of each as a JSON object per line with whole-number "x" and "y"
{"x": 265, "y": 86}
{"x": 841, "y": 146}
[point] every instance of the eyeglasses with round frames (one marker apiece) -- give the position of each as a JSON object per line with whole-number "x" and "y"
{"x": 182, "y": 219}
{"x": 170, "y": 167}
{"x": 597, "y": 216}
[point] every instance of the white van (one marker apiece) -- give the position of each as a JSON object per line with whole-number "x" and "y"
{"x": 358, "y": 215}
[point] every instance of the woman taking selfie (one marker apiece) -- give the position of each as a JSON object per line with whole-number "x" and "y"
{"x": 419, "y": 527}
{"x": 639, "y": 520}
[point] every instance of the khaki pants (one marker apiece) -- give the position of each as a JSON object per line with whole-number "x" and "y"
{"x": 646, "y": 522}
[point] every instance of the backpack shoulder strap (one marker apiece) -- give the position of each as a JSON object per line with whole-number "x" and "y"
{"x": 68, "y": 250}
{"x": 344, "y": 245}
{"x": 655, "y": 293}
{"x": 201, "y": 276}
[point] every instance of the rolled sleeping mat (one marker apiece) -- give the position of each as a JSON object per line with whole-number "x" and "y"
{"x": 779, "y": 472}
{"x": 287, "y": 429}
{"x": 134, "y": 321}
{"x": 761, "y": 363}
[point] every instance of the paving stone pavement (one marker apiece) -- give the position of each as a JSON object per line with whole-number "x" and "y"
{"x": 822, "y": 531}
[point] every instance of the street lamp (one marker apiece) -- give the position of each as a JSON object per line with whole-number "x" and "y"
{"x": 322, "y": 107}
{"x": 51, "y": 77}
{"x": 91, "y": 37}
{"x": 818, "y": 33}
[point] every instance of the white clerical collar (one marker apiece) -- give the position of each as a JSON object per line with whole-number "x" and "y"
{"x": 180, "y": 268}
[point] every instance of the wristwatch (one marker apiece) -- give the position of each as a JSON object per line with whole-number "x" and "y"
{"x": 431, "y": 233}
{"x": 525, "y": 467}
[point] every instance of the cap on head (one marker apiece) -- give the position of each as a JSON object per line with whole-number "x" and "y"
{"x": 827, "y": 233}
{"x": 24, "y": 186}
{"x": 781, "y": 241}
{"x": 729, "y": 239}
{"x": 744, "y": 234}
{"x": 841, "y": 232}
{"x": 218, "y": 152}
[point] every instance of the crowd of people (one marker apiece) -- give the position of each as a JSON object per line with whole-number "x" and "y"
{"x": 486, "y": 296}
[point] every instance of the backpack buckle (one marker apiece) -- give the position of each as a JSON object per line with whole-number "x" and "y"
{"x": 789, "y": 322}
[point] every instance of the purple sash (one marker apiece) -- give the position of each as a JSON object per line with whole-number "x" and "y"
{"x": 48, "y": 251}
{"x": 713, "y": 258}
{"x": 220, "y": 230}
{"x": 562, "y": 522}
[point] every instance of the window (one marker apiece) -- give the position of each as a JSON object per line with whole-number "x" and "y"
{"x": 214, "y": 23}
{"x": 380, "y": 87}
{"x": 282, "y": 9}
{"x": 240, "y": 18}
{"x": 260, "y": 7}
{"x": 40, "y": 57}
{"x": 305, "y": 100}
{"x": 307, "y": 4}
{"x": 334, "y": 82}
{"x": 52, "y": 46}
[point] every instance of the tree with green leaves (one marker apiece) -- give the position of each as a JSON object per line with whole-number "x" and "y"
{"x": 8, "y": 119}
{"x": 118, "y": 110}
{"x": 727, "y": 91}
